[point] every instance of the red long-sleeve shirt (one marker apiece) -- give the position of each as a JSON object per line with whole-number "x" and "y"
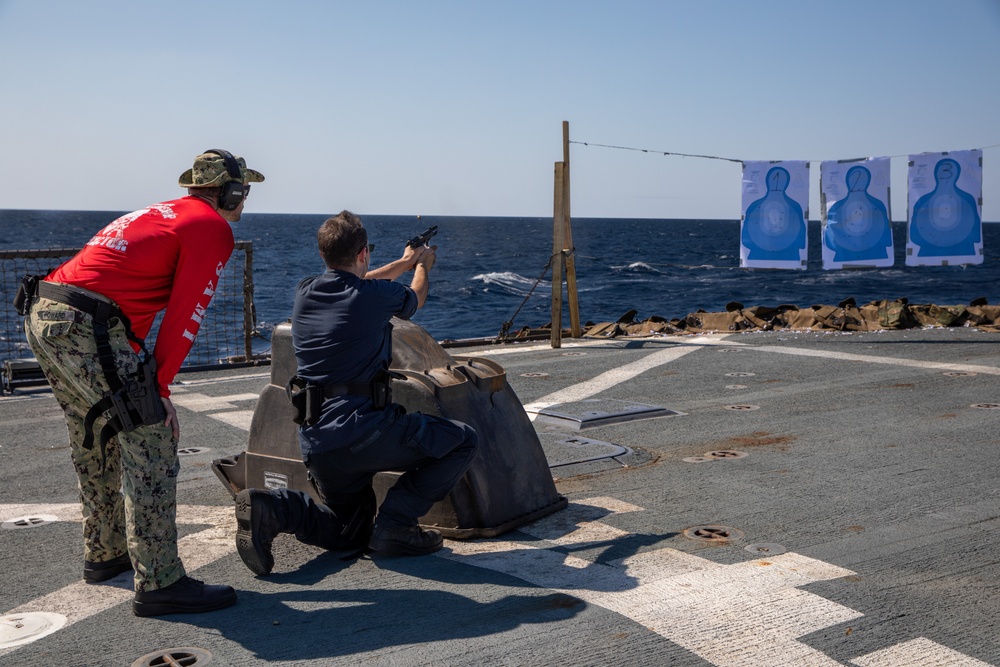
{"x": 167, "y": 256}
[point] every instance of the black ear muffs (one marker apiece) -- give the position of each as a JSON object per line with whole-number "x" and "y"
{"x": 233, "y": 191}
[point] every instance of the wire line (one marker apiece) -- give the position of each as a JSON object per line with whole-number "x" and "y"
{"x": 727, "y": 159}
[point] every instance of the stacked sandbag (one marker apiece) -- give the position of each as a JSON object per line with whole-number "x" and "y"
{"x": 845, "y": 316}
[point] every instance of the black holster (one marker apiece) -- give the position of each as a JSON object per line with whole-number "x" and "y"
{"x": 306, "y": 398}
{"x": 382, "y": 387}
{"x": 26, "y": 291}
{"x": 132, "y": 400}
{"x": 137, "y": 403}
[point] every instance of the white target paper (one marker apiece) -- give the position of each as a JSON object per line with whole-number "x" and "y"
{"x": 945, "y": 199}
{"x": 857, "y": 227}
{"x": 775, "y": 208}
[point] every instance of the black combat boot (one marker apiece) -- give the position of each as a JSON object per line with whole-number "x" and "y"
{"x": 184, "y": 596}
{"x": 404, "y": 540}
{"x": 98, "y": 571}
{"x": 257, "y": 523}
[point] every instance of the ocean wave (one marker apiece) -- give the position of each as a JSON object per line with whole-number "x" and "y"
{"x": 511, "y": 283}
{"x": 848, "y": 276}
{"x": 672, "y": 269}
{"x": 636, "y": 267}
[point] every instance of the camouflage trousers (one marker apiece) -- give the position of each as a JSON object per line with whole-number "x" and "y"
{"x": 129, "y": 499}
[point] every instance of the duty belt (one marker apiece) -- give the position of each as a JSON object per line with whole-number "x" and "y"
{"x": 354, "y": 389}
{"x": 101, "y": 309}
{"x": 307, "y": 397}
{"x": 131, "y": 401}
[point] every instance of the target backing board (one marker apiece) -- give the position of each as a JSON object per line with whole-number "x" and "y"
{"x": 775, "y": 208}
{"x": 857, "y": 227}
{"x": 945, "y": 199}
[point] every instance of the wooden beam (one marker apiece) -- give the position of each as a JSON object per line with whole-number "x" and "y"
{"x": 558, "y": 258}
{"x": 570, "y": 261}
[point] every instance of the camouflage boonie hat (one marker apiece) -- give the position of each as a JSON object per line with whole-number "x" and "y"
{"x": 209, "y": 171}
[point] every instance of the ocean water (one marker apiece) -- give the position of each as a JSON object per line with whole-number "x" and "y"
{"x": 487, "y": 267}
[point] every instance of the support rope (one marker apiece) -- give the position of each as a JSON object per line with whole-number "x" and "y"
{"x": 504, "y": 336}
{"x": 727, "y": 159}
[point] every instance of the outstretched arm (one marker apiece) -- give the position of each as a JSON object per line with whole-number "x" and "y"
{"x": 420, "y": 283}
{"x": 396, "y": 268}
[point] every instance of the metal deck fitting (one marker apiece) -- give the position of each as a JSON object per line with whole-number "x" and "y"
{"x": 579, "y": 415}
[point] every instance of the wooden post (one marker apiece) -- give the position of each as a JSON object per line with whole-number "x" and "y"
{"x": 248, "y": 314}
{"x": 568, "y": 250}
{"x": 558, "y": 258}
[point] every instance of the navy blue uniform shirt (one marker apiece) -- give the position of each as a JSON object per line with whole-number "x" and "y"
{"x": 341, "y": 333}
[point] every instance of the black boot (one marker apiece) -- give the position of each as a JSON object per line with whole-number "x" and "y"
{"x": 404, "y": 541}
{"x": 184, "y": 596}
{"x": 257, "y": 524}
{"x": 97, "y": 571}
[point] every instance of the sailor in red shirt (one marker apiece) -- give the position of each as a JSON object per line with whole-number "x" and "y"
{"x": 86, "y": 323}
{"x": 167, "y": 256}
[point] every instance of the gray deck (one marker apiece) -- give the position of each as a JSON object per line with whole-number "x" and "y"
{"x": 855, "y": 475}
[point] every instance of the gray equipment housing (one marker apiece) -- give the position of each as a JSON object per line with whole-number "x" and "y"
{"x": 508, "y": 483}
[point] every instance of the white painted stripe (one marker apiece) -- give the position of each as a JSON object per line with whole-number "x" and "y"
{"x": 180, "y": 384}
{"x": 41, "y": 393}
{"x": 612, "y": 378}
{"x": 577, "y": 524}
{"x": 202, "y": 403}
{"x": 697, "y": 340}
{"x": 35, "y": 421}
{"x": 872, "y": 359}
{"x": 919, "y": 652}
{"x": 612, "y": 505}
{"x": 741, "y": 615}
{"x": 239, "y": 419}
{"x": 186, "y": 514}
{"x": 518, "y": 349}
{"x": 79, "y": 601}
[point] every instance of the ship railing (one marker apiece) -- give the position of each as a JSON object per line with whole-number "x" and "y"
{"x": 225, "y": 339}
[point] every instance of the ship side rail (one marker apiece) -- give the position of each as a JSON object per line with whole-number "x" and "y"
{"x": 224, "y": 340}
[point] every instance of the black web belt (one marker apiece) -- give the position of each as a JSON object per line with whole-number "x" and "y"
{"x": 307, "y": 397}
{"x": 353, "y": 389}
{"x": 101, "y": 310}
{"x": 130, "y": 402}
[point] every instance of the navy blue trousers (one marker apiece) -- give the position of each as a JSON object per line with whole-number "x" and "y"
{"x": 433, "y": 453}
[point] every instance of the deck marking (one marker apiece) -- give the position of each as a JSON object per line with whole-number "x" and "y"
{"x": 239, "y": 418}
{"x": 919, "y": 652}
{"x": 79, "y": 600}
{"x": 577, "y": 524}
{"x": 180, "y": 384}
{"x": 613, "y": 377}
{"x": 696, "y": 340}
{"x": 219, "y": 408}
{"x": 741, "y": 615}
{"x": 202, "y": 403}
{"x": 872, "y": 359}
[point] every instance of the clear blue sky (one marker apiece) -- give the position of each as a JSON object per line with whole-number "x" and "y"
{"x": 455, "y": 108}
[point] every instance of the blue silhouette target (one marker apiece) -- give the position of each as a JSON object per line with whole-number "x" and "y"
{"x": 857, "y": 231}
{"x": 774, "y": 226}
{"x": 945, "y": 224}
